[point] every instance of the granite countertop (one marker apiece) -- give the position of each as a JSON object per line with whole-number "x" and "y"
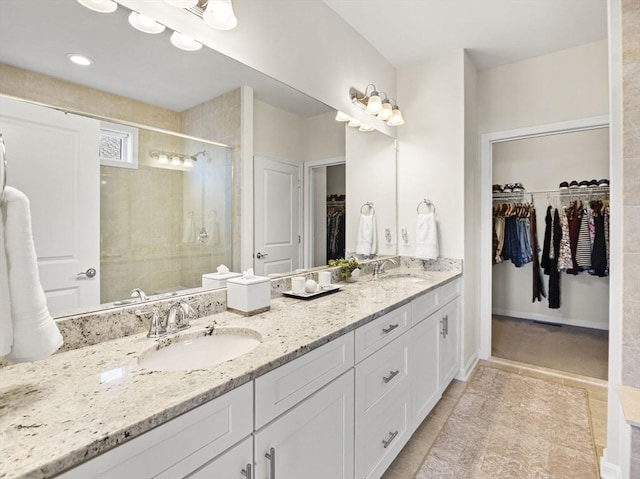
{"x": 62, "y": 411}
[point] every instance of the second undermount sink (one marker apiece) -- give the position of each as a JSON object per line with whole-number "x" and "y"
{"x": 198, "y": 351}
{"x": 403, "y": 277}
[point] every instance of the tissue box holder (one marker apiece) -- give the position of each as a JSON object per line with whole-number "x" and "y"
{"x": 217, "y": 280}
{"x": 249, "y": 296}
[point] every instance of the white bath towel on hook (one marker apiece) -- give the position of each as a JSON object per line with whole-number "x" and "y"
{"x": 366, "y": 240}
{"x": 28, "y": 332}
{"x": 427, "y": 246}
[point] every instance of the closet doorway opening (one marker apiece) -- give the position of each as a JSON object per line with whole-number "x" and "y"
{"x": 558, "y": 320}
{"x": 325, "y": 208}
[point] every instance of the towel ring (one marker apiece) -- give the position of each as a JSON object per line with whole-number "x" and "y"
{"x": 428, "y": 204}
{"x": 369, "y": 205}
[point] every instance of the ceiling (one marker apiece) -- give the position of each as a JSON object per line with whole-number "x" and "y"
{"x": 495, "y": 32}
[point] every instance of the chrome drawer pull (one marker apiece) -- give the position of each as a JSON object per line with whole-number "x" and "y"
{"x": 271, "y": 455}
{"x": 443, "y": 333}
{"x": 390, "y": 328}
{"x": 247, "y": 472}
{"x": 392, "y": 436}
{"x": 446, "y": 325}
{"x": 392, "y": 374}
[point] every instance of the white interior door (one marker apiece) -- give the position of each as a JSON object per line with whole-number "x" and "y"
{"x": 53, "y": 158}
{"x": 277, "y": 216}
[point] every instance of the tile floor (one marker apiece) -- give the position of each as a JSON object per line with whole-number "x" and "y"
{"x": 412, "y": 455}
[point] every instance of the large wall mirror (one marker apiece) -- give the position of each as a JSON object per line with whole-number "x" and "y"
{"x": 173, "y": 213}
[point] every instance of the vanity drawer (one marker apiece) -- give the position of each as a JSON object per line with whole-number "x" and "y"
{"x": 283, "y": 388}
{"x": 382, "y": 372}
{"x": 381, "y": 331}
{"x": 180, "y": 446}
{"x": 424, "y": 306}
{"x": 381, "y": 433}
{"x": 448, "y": 292}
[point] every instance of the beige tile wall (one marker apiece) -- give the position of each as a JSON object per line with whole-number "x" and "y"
{"x": 631, "y": 208}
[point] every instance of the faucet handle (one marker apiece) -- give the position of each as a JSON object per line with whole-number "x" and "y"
{"x": 156, "y": 328}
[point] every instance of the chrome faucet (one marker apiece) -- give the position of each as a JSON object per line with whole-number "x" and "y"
{"x": 176, "y": 319}
{"x": 137, "y": 292}
{"x": 178, "y": 316}
{"x": 378, "y": 266}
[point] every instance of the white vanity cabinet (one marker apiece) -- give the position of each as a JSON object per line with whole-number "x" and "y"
{"x": 236, "y": 463}
{"x": 449, "y": 345}
{"x": 314, "y": 440}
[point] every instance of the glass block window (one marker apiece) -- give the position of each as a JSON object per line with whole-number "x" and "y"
{"x": 118, "y": 145}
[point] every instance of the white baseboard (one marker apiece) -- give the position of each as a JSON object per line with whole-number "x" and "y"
{"x": 608, "y": 470}
{"x": 465, "y": 372}
{"x": 551, "y": 319}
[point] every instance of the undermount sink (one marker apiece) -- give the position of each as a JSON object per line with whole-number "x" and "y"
{"x": 199, "y": 351}
{"x": 405, "y": 277}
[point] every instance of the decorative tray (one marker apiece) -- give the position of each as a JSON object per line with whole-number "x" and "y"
{"x": 332, "y": 288}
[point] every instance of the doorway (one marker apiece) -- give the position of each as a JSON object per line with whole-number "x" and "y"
{"x": 491, "y": 145}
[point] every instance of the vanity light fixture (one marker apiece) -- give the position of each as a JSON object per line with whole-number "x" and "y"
{"x": 79, "y": 59}
{"x": 145, "y": 24}
{"x": 366, "y": 128}
{"x": 177, "y": 159}
{"x": 185, "y": 42}
{"x": 219, "y": 14}
{"x": 162, "y": 159}
{"x": 371, "y": 101}
{"x": 354, "y": 123}
{"x": 102, "y": 6}
{"x": 342, "y": 116}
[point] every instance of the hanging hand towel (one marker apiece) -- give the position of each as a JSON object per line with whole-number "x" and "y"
{"x": 427, "y": 237}
{"x": 366, "y": 240}
{"x": 6, "y": 325}
{"x": 34, "y": 333}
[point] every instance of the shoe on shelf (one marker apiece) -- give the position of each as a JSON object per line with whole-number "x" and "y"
{"x": 573, "y": 184}
{"x": 518, "y": 187}
{"x": 497, "y": 189}
{"x": 508, "y": 188}
{"x": 564, "y": 185}
{"x": 593, "y": 183}
{"x": 584, "y": 184}
{"x": 603, "y": 183}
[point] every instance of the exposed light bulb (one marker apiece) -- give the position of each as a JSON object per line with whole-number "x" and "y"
{"x": 144, "y": 23}
{"x": 185, "y": 42}
{"x": 79, "y": 59}
{"x": 365, "y": 127}
{"x": 341, "y": 116}
{"x": 374, "y": 105}
{"x": 354, "y": 123}
{"x": 386, "y": 112}
{"x": 102, "y": 6}
{"x": 219, "y": 14}
{"x": 396, "y": 119}
{"x": 182, "y": 3}
{"x": 163, "y": 160}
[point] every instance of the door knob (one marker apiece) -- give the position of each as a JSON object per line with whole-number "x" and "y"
{"x": 90, "y": 273}
{"x": 261, "y": 255}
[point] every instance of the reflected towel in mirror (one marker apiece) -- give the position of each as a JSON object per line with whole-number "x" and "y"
{"x": 27, "y": 330}
{"x": 366, "y": 240}
{"x": 427, "y": 246}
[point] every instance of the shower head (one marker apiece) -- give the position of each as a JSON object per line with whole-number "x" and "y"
{"x": 195, "y": 156}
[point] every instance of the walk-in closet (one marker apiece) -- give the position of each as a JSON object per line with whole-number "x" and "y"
{"x": 550, "y": 285}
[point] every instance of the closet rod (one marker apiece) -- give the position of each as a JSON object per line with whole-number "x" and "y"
{"x": 588, "y": 191}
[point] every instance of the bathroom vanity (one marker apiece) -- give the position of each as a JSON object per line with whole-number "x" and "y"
{"x": 335, "y": 389}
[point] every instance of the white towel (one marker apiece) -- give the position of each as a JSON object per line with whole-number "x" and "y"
{"x": 33, "y": 333}
{"x": 427, "y": 237}
{"x": 366, "y": 240}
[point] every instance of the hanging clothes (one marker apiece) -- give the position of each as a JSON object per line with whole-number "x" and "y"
{"x": 554, "y": 272}
{"x": 574, "y": 216}
{"x": 538, "y": 284}
{"x": 564, "y": 252}
{"x": 546, "y": 246}
{"x": 599, "y": 252}
{"x": 583, "y": 250}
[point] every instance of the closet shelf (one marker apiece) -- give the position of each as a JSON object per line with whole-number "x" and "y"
{"x": 557, "y": 193}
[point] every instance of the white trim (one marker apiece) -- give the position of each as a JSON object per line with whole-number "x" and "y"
{"x": 465, "y": 372}
{"x": 129, "y": 137}
{"x": 551, "y": 319}
{"x": 308, "y": 204}
{"x": 486, "y": 176}
{"x": 246, "y": 180}
{"x": 607, "y": 469}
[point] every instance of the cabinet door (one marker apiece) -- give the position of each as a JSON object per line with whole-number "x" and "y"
{"x": 424, "y": 352}
{"x": 449, "y": 342}
{"x": 230, "y": 464}
{"x": 314, "y": 440}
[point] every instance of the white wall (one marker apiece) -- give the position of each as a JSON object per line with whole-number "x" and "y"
{"x": 323, "y": 137}
{"x": 320, "y": 190}
{"x": 541, "y": 164}
{"x": 277, "y": 134}
{"x": 370, "y": 176}
{"x": 336, "y": 182}
{"x": 431, "y": 149}
{"x": 564, "y": 85}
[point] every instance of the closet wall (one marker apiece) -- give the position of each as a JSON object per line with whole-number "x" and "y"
{"x": 541, "y": 164}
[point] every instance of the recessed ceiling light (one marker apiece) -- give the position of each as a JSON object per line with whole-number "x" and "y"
{"x": 79, "y": 59}
{"x": 102, "y": 6}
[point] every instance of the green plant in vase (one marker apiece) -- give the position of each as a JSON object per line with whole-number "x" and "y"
{"x": 349, "y": 268}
